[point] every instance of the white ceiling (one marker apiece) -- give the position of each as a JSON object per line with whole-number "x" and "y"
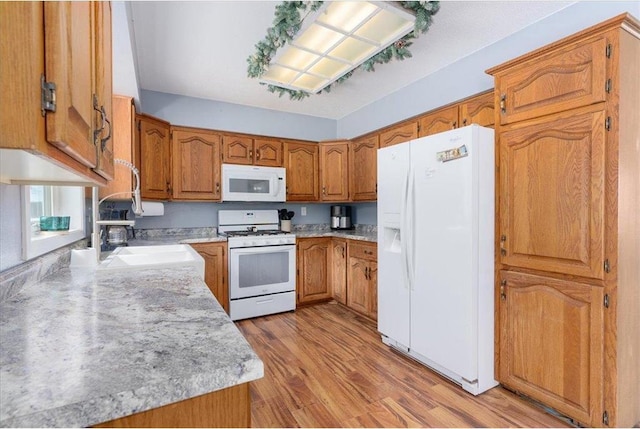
{"x": 200, "y": 49}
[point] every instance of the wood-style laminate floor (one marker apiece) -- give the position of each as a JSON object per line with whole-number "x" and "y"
{"x": 325, "y": 366}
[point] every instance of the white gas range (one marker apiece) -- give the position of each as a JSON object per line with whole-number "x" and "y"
{"x": 262, "y": 263}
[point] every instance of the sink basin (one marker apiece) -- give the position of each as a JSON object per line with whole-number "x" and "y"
{"x": 142, "y": 257}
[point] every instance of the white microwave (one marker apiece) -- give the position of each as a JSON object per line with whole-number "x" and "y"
{"x": 251, "y": 183}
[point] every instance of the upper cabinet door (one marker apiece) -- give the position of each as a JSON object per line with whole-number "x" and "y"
{"x": 552, "y": 194}
{"x": 478, "y": 110}
{"x": 301, "y": 162}
{"x": 399, "y": 134}
{"x": 267, "y": 152}
{"x": 565, "y": 79}
{"x": 237, "y": 149}
{"x": 363, "y": 171}
{"x": 69, "y": 64}
{"x": 155, "y": 167}
{"x": 196, "y": 164}
{"x": 104, "y": 89}
{"x": 439, "y": 121}
{"x": 334, "y": 171}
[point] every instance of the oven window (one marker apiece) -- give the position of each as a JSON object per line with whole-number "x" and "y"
{"x": 261, "y": 269}
{"x": 249, "y": 186}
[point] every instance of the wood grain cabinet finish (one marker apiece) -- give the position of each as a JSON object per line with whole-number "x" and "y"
{"x": 215, "y": 270}
{"x": 551, "y": 342}
{"x": 239, "y": 149}
{"x": 334, "y": 171}
{"x": 568, "y": 224}
{"x": 552, "y": 204}
{"x": 569, "y": 77}
{"x": 313, "y": 259}
{"x": 195, "y": 155}
{"x": 124, "y": 147}
{"x": 69, "y": 45}
{"x": 302, "y": 164}
{"x": 155, "y": 162}
{"x": 400, "y": 133}
{"x": 362, "y": 278}
{"x": 363, "y": 169}
{"x": 439, "y": 121}
{"x": 477, "y": 110}
{"x": 338, "y": 269}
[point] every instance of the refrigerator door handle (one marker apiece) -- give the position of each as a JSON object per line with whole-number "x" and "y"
{"x": 410, "y": 227}
{"x": 404, "y": 232}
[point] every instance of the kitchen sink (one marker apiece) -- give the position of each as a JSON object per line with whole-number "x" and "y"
{"x": 144, "y": 257}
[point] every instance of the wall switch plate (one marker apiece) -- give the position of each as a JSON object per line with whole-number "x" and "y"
{"x": 303, "y": 211}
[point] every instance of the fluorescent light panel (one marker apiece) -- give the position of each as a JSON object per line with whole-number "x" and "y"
{"x": 337, "y": 38}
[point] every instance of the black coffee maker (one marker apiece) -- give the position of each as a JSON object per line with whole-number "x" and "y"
{"x": 341, "y": 217}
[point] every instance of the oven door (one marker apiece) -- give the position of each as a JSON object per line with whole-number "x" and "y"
{"x": 256, "y": 271}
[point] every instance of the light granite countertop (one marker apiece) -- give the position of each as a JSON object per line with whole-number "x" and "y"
{"x": 350, "y": 234}
{"x": 83, "y": 346}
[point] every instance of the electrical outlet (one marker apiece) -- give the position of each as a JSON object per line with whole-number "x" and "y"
{"x": 303, "y": 211}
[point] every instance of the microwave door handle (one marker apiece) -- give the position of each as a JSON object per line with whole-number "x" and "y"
{"x": 279, "y": 187}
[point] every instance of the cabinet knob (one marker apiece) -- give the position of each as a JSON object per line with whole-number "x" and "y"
{"x": 503, "y": 295}
{"x": 464, "y": 121}
{"x": 503, "y": 103}
{"x": 250, "y": 153}
{"x": 217, "y": 187}
{"x": 258, "y": 154}
{"x": 455, "y": 124}
{"x": 324, "y": 190}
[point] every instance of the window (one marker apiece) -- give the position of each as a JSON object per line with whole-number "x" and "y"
{"x": 38, "y": 201}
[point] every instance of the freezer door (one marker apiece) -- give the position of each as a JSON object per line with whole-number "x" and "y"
{"x": 444, "y": 300}
{"x": 393, "y": 290}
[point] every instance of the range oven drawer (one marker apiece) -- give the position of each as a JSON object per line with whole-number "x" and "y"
{"x": 246, "y": 308}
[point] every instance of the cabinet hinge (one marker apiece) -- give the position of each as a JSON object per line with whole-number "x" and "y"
{"x": 605, "y": 418}
{"x": 605, "y": 301}
{"x": 418, "y": 127}
{"x": 47, "y": 96}
{"x": 607, "y": 123}
{"x": 607, "y": 266}
{"x": 607, "y": 86}
{"x": 608, "y": 50}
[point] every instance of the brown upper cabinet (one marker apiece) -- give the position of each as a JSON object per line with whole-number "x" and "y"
{"x": 65, "y": 48}
{"x": 195, "y": 158}
{"x": 334, "y": 171}
{"x": 301, "y": 162}
{"x": 154, "y": 142}
{"x": 567, "y": 78}
{"x": 363, "y": 168}
{"x": 239, "y": 149}
{"x": 439, "y": 121}
{"x": 124, "y": 123}
{"x": 477, "y": 110}
{"x": 400, "y": 133}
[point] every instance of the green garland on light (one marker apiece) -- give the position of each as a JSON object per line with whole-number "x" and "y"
{"x": 287, "y": 23}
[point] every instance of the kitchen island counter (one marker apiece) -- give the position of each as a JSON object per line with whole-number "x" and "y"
{"x": 83, "y": 346}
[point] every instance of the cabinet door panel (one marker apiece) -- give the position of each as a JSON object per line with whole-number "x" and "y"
{"x": 551, "y": 335}
{"x": 196, "y": 165}
{"x": 338, "y": 270}
{"x": 69, "y": 56}
{"x": 399, "y": 134}
{"x": 358, "y": 295}
{"x": 439, "y": 121}
{"x": 363, "y": 169}
{"x": 313, "y": 264}
{"x": 478, "y": 110}
{"x": 301, "y": 162}
{"x": 215, "y": 270}
{"x": 373, "y": 290}
{"x": 268, "y": 153}
{"x": 572, "y": 77}
{"x": 155, "y": 169}
{"x": 552, "y": 206}
{"x": 237, "y": 150}
{"x": 334, "y": 166}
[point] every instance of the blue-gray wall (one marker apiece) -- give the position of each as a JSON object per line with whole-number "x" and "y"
{"x": 198, "y": 112}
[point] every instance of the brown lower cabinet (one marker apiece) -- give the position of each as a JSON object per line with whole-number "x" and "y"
{"x": 215, "y": 270}
{"x": 226, "y": 408}
{"x": 313, "y": 260}
{"x": 362, "y": 278}
{"x": 338, "y": 269}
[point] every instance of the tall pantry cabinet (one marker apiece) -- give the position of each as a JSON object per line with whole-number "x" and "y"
{"x": 568, "y": 293}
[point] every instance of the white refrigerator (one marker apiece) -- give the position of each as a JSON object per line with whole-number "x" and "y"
{"x": 436, "y": 253}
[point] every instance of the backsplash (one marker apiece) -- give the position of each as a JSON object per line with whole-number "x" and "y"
{"x": 15, "y": 279}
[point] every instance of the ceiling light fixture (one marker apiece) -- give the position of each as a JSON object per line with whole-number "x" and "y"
{"x": 336, "y": 39}
{"x": 332, "y": 40}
